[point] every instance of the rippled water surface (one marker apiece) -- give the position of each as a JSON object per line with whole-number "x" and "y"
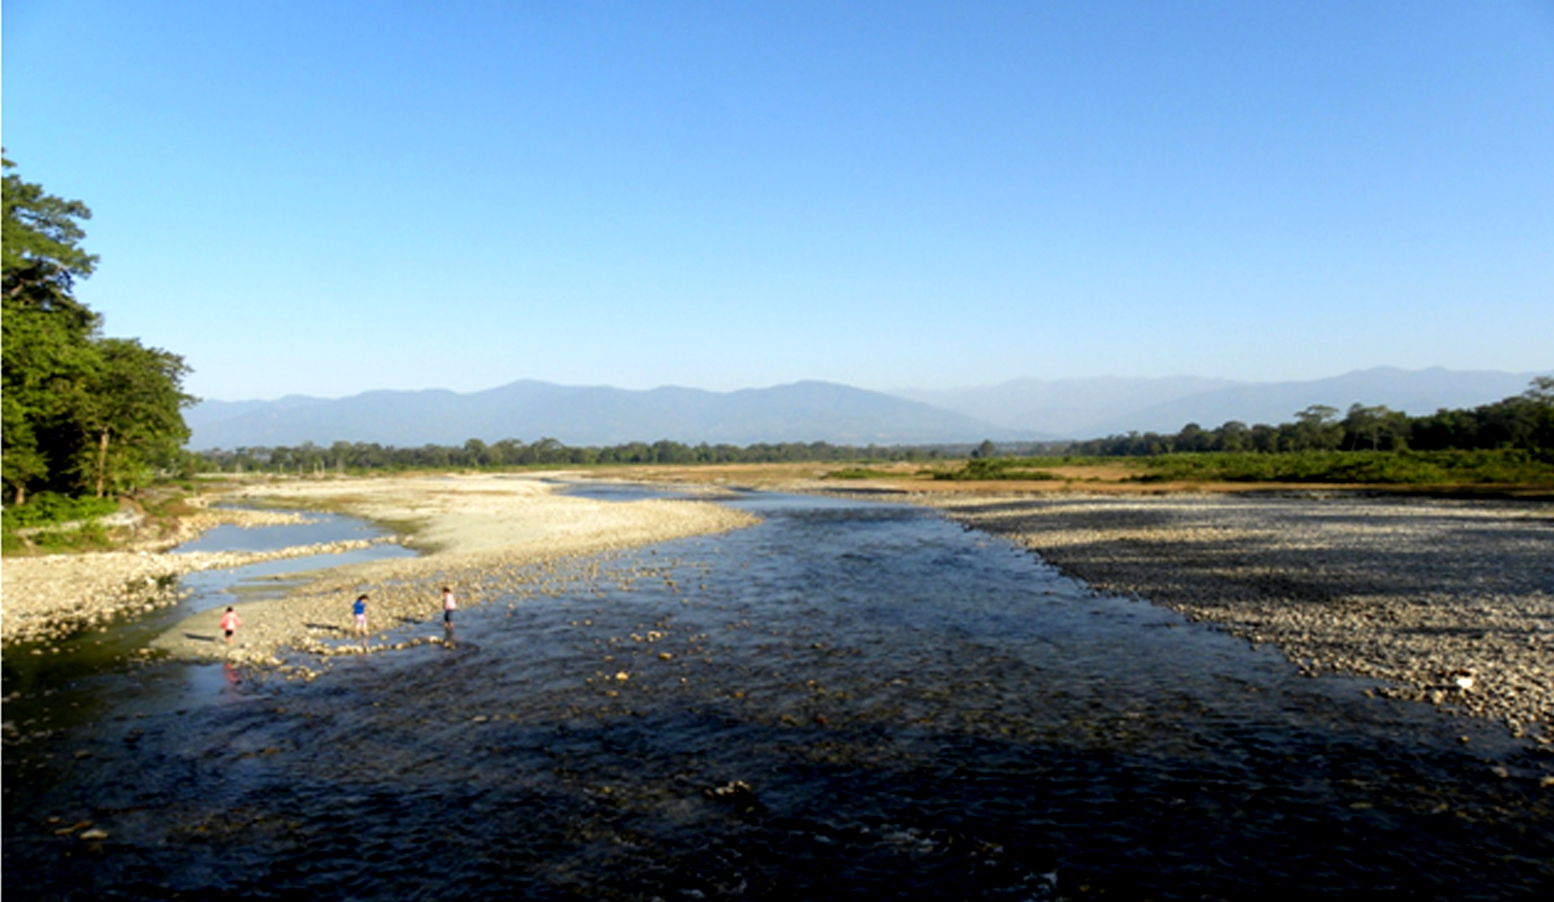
{"x": 847, "y": 701}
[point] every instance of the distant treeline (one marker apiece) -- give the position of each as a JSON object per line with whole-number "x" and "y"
{"x": 1524, "y": 422}
{"x": 476, "y": 454}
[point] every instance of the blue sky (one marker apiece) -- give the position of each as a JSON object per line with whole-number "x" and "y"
{"x": 330, "y": 197}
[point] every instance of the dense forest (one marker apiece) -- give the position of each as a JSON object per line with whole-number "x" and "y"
{"x": 84, "y": 414}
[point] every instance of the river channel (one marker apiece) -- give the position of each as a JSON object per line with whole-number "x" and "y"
{"x": 848, "y": 701}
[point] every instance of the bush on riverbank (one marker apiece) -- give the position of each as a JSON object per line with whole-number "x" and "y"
{"x": 46, "y": 509}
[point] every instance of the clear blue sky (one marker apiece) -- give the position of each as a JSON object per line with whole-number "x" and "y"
{"x": 330, "y": 197}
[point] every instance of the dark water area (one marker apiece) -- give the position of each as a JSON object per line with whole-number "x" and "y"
{"x": 849, "y": 701}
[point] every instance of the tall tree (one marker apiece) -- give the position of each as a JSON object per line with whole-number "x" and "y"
{"x": 80, "y": 411}
{"x": 41, "y": 255}
{"x": 48, "y": 351}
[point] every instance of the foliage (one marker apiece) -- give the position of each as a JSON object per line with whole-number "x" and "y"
{"x": 347, "y": 457}
{"x": 1524, "y": 421}
{"x": 81, "y": 413}
{"x": 40, "y": 257}
{"x": 980, "y": 468}
{"x": 90, "y": 536}
{"x": 1362, "y": 467}
{"x": 47, "y": 508}
{"x": 864, "y": 473}
{"x": 131, "y": 415}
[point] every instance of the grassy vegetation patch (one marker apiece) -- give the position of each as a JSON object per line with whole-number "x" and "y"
{"x": 865, "y": 473}
{"x": 1003, "y": 468}
{"x": 91, "y": 536}
{"x": 47, "y": 508}
{"x": 1362, "y": 467}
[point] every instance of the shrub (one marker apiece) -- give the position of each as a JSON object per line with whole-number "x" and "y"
{"x": 45, "y": 508}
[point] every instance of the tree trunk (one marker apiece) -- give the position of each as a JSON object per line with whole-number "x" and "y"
{"x": 102, "y": 461}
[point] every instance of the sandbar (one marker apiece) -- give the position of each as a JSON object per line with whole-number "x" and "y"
{"x": 482, "y": 534}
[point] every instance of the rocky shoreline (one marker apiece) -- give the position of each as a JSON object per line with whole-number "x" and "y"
{"x": 1443, "y": 601}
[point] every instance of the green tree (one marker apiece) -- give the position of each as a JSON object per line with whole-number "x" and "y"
{"x": 131, "y": 416}
{"x": 80, "y": 411}
{"x": 1234, "y": 436}
{"x": 48, "y": 351}
{"x": 1540, "y": 397}
{"x": 1316, "y": 429}
{"x": 476, "y": 454}
{"x": 41, "y": 255}
{"x": 1378, "y": 427}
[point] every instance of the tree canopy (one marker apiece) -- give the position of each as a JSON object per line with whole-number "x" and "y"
{"x": 82, "y": 413}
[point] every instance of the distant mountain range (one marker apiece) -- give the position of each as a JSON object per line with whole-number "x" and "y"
{"x": 1091, "y": 408}
{"x": 591, "y": 415}
{"x": 1021, "y": 410}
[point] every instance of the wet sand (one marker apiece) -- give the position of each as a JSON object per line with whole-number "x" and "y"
{"x": 1445, "y": 601}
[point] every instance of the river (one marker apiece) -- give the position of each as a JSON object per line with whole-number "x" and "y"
{"x": 849, "y": 701}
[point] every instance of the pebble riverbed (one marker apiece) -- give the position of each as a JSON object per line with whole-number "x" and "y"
{"x": 1445, "y": 601}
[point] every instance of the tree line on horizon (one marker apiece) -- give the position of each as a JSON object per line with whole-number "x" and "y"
{"x": 1522, "y": 422}
{"x": 476, "y": 454}
{"x": 84, "y": 414}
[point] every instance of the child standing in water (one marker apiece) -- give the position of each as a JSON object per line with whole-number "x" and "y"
{"x": 448, "y": 607}
{"x": 359, "y": 609}
{"x": 230, "y": 622}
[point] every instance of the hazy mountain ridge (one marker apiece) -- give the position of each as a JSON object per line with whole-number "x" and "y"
{"x": 589, "y": 415}
{"x": 1121, "y": 405}
{"x": 1018, "y": 410}
{"x": 1063, "y": 407}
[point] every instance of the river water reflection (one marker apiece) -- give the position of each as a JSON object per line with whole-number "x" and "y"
{"x": 846, "y": 701}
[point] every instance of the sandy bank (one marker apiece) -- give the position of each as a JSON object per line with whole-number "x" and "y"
{"x": 1420, "y": 594}
{"x": 50, "y": 596}
{"x": 487, "y": 536}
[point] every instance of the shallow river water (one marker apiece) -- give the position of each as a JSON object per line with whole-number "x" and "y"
{"x": 848, "y": 701}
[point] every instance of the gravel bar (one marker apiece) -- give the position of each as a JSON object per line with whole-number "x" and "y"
{"x": 1445, "y": 601}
